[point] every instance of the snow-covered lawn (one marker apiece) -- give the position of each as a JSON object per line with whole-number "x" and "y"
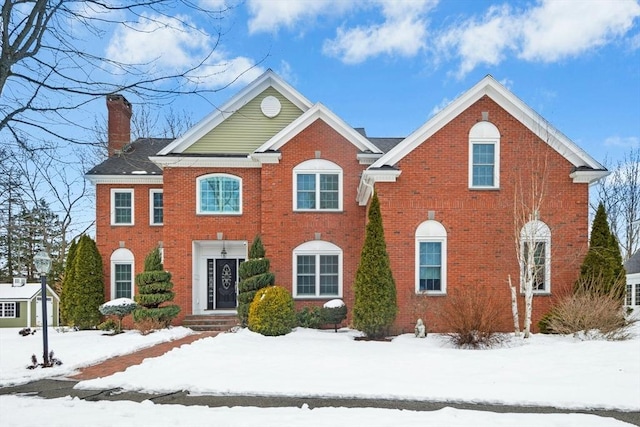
{"x": 558, "y": 371}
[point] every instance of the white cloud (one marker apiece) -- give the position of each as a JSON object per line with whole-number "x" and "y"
{"x": 161, "y": 44}
{"x": 548, "y": 32}
{"x": 270, "y": 15}
{"x": 623, "y": 142}
{"x": 403, "y": 33}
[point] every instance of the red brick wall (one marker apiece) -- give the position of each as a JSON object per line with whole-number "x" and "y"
{"x": 480, "y": 223}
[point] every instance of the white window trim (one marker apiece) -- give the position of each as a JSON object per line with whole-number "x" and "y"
{"x": 431, "y": 231}
{"x": 485, "y": 133}
{"x": 2, "y": 309}
{"x": 316, "y": 248}
{"x": 631, "y": 283}
{"x": 151, "y": 206}
{"x": 113, "y": 206}
{"x": 533, "y": 232}
{"x": 317, "y": 167}
{"x": 122, "y": 256}
{"x": 199, "y": 210}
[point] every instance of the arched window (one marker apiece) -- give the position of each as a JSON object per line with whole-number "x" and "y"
{"x": 219, "y": 194}
{"x": 317, "y": 185}
{"x": 535, "y": 256}
{"x": 122, "y": 269}
{"x": 431, "y": 258}
{"x": 484, "y": 156}
{"x": 317, "y": 270}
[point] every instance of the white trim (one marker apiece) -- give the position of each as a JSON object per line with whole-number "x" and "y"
{"x": 533, "y": 232}
{"x": 317, "y": 167}
{"x": 124, "y": 179}
{"x": 431, "y": 231}
{"x": 588, "y": 177}
{"x": 206, "y": 162}
{"x": 113, "y": 207}
{"x": 201, "y": 178}
{"x": 259, "y": 85}
{"x": 2, "y": 308}
{"x": 485, "y": 133}
{"x": 508, "y": 101}
{"x": 369, "y": 177}
{"x": 318, "y": 111}
{"x": 316, "y": 248}
{"x": 121, "y": 256}
{"x": 153, "y": 191}
{"x": 269, "y": 158}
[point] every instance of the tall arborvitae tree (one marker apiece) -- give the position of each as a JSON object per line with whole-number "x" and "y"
{"x": 87, "y": 288}
{"x": 375, "y": 307}
{"x": 67, "y": 280}
{"x": 254, "y": 275}
{"x": 602, "y": 266}
{"x": 154, "y": 290}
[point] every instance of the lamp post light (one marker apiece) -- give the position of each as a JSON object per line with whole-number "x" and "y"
{"x": 42, "y": 263}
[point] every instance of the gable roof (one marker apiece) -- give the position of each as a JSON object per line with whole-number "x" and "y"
{"x": 318, "y": 111}
{"x": 266, "y": 80}
{"x": 513, "y": 105}
{"x": 632, "y": 265}
{"x": 21, "y": 293}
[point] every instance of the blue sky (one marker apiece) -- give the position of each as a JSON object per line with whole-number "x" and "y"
{"x": 390, "y": 65}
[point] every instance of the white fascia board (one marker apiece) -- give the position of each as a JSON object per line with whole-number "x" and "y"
{"x": 513, "y": 105}
{"x": 368, "y": 158}
{"x": 267, "y": 79}
{"x": 270, "y": 157}
{"x": 124, "y": 179}
{"x": 318, "y": 111}
{"x": 205, "y": 162}
{"x": 588, "y": 177}
{"x": 369, "y": 178}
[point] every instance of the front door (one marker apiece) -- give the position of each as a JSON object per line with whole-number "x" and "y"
{"x": 39, "y": 311}
{"x": 226, "y": 273}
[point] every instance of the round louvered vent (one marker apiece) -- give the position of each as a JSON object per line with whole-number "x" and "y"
{"x": 270, "y": 106}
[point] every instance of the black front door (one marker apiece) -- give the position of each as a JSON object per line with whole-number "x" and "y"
{"x": 226, "y": 275}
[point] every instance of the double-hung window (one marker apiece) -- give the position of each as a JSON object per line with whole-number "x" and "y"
{"x": 535, "y": 258}
{"x": 219, "y": 194}
{"x": 431, "y": 258}
{"x": 317, "y": 186}
{"x": 632, "y": 297}
{"x": 484, "y": 156}
{"x": 122, "y": 207}
{"x": 317, "y": 267}
{"x": 8, "y": 309}
{"x": 122, "y": 270}
{"x": 156, "y": 207}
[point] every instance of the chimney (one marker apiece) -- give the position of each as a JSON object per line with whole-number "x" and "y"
{"x": 119, "y": 123}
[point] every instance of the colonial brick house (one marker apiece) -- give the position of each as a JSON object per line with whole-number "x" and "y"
{"x": 269, "y": 162}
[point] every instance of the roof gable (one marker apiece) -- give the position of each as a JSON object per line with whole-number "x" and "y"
{"x": 24, "y": 292}
{"x": 509, "y": 102}
{"x": 295, "y": 105}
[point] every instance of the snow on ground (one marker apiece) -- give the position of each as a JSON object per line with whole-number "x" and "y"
{"x": 559, "y": 371}
{"x": 75, "y": 349}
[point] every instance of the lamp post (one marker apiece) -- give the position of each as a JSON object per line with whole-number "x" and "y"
{"x": 43, "y": 265}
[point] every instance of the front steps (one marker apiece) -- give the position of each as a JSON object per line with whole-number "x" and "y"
{"x": 211, "y": 322}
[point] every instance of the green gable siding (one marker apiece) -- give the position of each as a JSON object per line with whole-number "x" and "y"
{"x": 246, "y": 129}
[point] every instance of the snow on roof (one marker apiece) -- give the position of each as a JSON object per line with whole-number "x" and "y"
{"x": 28, "y": 291}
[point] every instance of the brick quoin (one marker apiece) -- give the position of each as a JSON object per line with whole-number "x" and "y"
{"x": 434, "y": 177}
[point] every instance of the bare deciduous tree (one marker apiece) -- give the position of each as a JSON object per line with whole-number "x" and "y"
{"x": 620, "y": 195}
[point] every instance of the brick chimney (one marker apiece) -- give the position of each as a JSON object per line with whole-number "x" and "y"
{"x": 119, "y": 123}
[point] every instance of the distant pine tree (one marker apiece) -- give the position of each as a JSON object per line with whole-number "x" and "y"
{"x": 254, "y": 275}
{"x": 375, "y": 307}
{"x": 67, "y": 282}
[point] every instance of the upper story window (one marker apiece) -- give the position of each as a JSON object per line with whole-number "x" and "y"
{"x": 317, "y": 270}
{"x": 535, "y": 256}
{"x": 484, "y": 156}
{"x": 156, "y": 207}
{"x": 317, "y": 186}
{"x": 219, "y": 194}
{"x": 431, "y": 258}
{"x": 122, "y": 269}
{"x": 122, "y": 208}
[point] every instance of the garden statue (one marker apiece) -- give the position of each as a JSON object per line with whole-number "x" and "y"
{"x": 421, "y": 330}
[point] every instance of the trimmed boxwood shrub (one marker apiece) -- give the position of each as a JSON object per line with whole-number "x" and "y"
{"x": 254, "y": 275}
{"x": 154, "y": 290}
{"x": 272, "y": 312}
{"x": 334, "y": 312}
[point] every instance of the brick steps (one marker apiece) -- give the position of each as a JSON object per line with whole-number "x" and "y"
{"x": 211, "y": 322}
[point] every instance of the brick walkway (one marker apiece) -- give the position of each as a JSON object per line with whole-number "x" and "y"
{"x": 121, "y": 363}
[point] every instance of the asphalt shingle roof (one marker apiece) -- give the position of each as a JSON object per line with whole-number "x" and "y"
{"x": 135, "y": 158}
{"x": 632, "y": 265}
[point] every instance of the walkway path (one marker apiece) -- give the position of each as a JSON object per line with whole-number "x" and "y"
{"x": 121, "y": 363}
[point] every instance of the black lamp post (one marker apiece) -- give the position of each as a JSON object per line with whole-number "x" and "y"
{"x": 43, "y": 265}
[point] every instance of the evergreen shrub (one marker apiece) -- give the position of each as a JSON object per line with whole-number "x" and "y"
{"x": 310, "y": 317}
{"x": 154, "y": 290}
{"x": 272, "y": 312}
{"x": 254, "y": 275}
{"x": 334, "y": 314}
{"x": 86, "y": 288}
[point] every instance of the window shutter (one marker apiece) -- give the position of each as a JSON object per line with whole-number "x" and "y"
{"x": 17, "y": 308}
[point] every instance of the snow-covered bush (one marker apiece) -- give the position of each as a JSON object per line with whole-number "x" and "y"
{"x": 118, "y": 308}
{"x": 272, "y": 312}
{"x": 334, "y": 312}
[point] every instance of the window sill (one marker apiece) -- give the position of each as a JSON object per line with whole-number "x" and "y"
{"x": 122, "y": 225}
{"x": 218, "y": 213}
{"x": 432, "y": 293}
{"x": 484, "y": 188}
{"x": 318, "y": 211}
{"x": 315, "y": 298}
